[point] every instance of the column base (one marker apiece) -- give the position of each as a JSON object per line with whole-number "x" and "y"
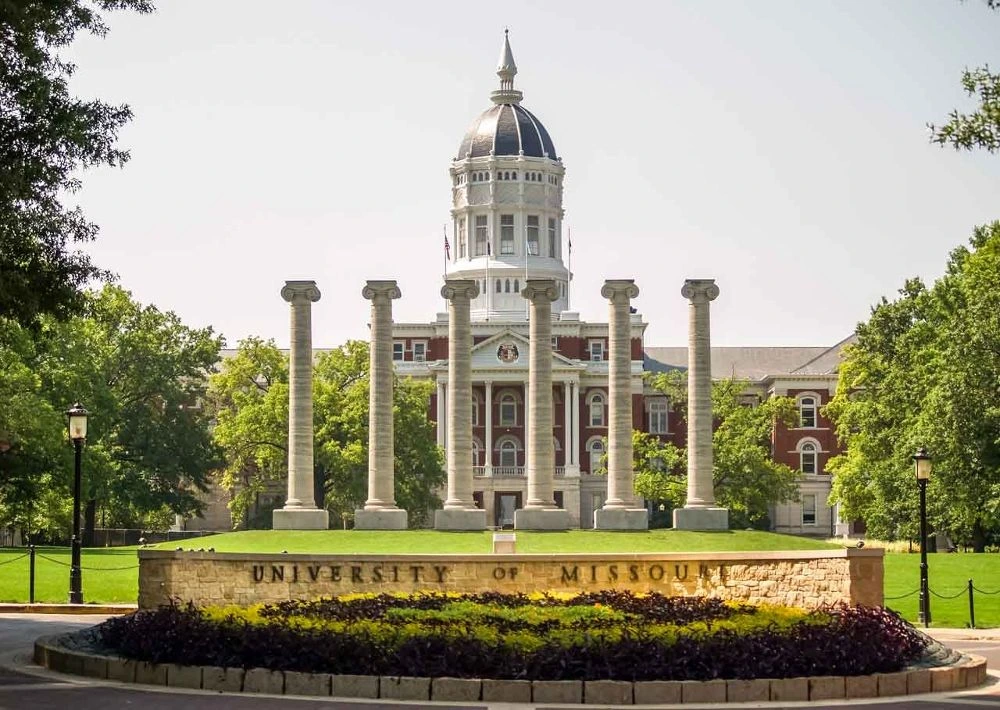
{"x": 541, "y": 519}
{"x": 468, "y": 519}
{"x": 621, "y": 519}
{"x": 701, "y": 519}
{"x": 380, "y": 519}
{"x": 300, "y": 519}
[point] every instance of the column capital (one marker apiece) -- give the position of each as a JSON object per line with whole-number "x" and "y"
{"x": 300, "y": 292}
{"x": 700, "y": 290}
{"x": 381, "y": 290}
{"x": 619, "y": 290}
{"x": 459, "y": 288}
{"x": 540, "y": 290}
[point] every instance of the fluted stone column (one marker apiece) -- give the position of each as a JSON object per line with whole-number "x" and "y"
{"x": 380, "y": 511}
{"x": 700, "y": 511}
{"x": 620, "y": 511}
{"x": 460, "y": 511}
{"x": 300, "y": 511}
{"x": 540, "y": 512}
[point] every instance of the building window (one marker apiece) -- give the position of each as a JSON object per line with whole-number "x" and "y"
{"x": 552, "y": 238}
{"x": 482, "y": 234}
{"x": 596, "y": 350}
{"x": 475, "y": 453}
{"x": 808, "y": 457}
{"x": 555, "y": 342}
{"x": 398, "y": 348}
{"x": 475, "y": 411}
{"x": 499, "y": 286}
{"x": 506, "y": 286}
{"x": 597, "y": 409}
{"x": 508, "y": 410}
{"x": 513, "y": 175}
{"x": 461, "y": 237}
{"x": 596, "y": 450}
{"x": 532, "y": 236}
{"x": 508, "y": 453}
{"x": 419, "y": 351}
{"x": 658, "y": 415}
{"x": 807, "y": 412}
{"x": 809, "y": 509}
{"x": 517, "y": 286}
{"x": 506, "y": 234}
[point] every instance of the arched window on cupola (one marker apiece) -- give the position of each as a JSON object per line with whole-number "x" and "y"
{"x": 517, "y": 286}
{"x": 513, "y": 175}
{"x": 499, "y": 286}
{"x": 506, "y": 286}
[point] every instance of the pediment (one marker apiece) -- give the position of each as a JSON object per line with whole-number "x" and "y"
{"x": 508, "y": 350}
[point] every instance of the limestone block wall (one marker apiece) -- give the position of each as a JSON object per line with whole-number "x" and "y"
{"x": 806, "y": 579}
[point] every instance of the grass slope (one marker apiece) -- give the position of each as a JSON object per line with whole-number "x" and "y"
{"x": 435, "y": 542}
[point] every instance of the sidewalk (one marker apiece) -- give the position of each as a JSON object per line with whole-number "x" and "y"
{"x": 46, "y": 608}
{"x": 962, "y": 634}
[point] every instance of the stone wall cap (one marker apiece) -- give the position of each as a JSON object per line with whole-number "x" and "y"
{"x": 848, "y": 553}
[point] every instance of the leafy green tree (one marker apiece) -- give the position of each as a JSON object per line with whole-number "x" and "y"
{"x": 925, "y": 372}
{"x": 250, "y": 396}
{"x": 981, "y": 128}
{"x": 141, "y": 373}
{"x": 747, "y": 480}
{"x": 47, "y": 136}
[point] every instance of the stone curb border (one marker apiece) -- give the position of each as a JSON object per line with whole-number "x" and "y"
{"x": 968, "y": 672}
{"x": 49, "y": 608}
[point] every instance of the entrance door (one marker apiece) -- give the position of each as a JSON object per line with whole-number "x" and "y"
{"x": 505, "y": 503}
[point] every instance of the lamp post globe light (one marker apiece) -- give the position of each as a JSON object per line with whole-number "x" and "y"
{"x": 922, "y": 467}
{"x": 76, "y": 418}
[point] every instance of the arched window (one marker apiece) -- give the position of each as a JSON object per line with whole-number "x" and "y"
{"x": 508, "y": 453}
{"x": 475, "y": 410}
{"x": 506, "y": 286}
{"x": 517, "y": 286}
{"x": 596, "y": 402}
{"x": 596, "y": 450}
{"x": 475, "y": 453}
{"x": 508, "y": 410}
{"x": 807, "y": 411}
{"x": 808, "y": 457}
{"x": 499, "y": 287}
{"x": 513, "y": 175}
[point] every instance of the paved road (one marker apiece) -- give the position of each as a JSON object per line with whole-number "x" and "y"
{"x": 23, "y": 685}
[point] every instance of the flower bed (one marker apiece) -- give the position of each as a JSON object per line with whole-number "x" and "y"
{"x": 604, "y": 635}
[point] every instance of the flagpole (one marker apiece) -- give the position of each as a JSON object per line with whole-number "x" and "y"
{"x": 569, "y": 267}
{"x": 526, "y": 310}
{"x": 489, "y": 253}
{"x": 447, "y": 253}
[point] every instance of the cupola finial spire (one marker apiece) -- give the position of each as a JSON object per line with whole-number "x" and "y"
{"x": 506, "y": 70}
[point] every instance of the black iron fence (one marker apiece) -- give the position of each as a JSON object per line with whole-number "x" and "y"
{"x": 970, "y": 589}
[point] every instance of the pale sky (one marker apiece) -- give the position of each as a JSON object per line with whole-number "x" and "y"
{"x": 778, "y": 147}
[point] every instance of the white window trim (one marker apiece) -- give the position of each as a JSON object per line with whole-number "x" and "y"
{"x": 590, "y": 349}
{"x": 815, "y": 511}
{"x": 475, "y": 410}
{"x": 499, "y": 400}
{"x": 591, "y": 396}
{"x": 589, "y": 448}
{"x": 817, "y": 402}
{"x": 413, "y": 349}
{"x": 665, "y": 401}
{"x": 817, "y": 450}
{"x": 402, "y": 351}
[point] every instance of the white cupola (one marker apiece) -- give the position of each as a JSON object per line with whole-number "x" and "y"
{"x": 507, "y": 215}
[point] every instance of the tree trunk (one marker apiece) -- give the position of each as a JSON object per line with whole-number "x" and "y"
{"x": 89, "y": 522}
{"x": 978, "y": 537}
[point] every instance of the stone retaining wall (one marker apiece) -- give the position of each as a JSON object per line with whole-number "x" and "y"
{"x": 967, "y": 672}
{"x": 808, "y": 579}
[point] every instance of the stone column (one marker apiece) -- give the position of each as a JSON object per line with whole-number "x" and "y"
{"x": 460, "y": 511}
{"x": 567, "y": 424}
{"x": 540, "y": 512}
{"x": 700, "y": 511}
{"x": 576, "y": 425}
{"x": 380, "y": 511}
{"x": 620, "y": 511}
{"x": 441, "y": 418}
{"x": 300, "y": 511}
{"x": 488, "y": 440}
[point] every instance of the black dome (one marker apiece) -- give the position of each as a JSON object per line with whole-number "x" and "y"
{"x": 507, "y": 129}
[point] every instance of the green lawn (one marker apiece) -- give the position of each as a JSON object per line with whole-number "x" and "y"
{"x": 110, "y": 575}
{"x": 434, "y": 542}
{"x": 947, "y": 575}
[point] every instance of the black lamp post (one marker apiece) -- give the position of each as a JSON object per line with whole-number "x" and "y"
{"x": 77, "y": 420}
{"x": 922, "y": 464}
